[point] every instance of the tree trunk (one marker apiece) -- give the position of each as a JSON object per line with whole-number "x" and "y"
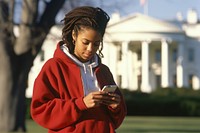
{"x": 7, "y": 112}
{"x": 20, "y": 84}
{"x": 16, "y": 57}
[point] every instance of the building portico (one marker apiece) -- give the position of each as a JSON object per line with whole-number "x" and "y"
{"x": 152, "y": 57}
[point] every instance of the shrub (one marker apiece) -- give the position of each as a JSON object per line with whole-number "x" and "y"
{"x": 163, "y": 102}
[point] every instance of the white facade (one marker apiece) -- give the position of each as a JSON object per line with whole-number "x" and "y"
{"x": 143, "y": 53}
{"x": 153, "y": 53}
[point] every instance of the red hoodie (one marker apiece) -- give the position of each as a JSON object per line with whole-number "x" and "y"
{"x": 57, "y": 101}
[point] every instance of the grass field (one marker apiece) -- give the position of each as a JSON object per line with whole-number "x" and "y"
{"x": 137, "y": 124}
{"x": 160, "y": 125}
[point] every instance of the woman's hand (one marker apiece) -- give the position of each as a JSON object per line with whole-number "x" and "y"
{"x": 95, "y": 99}
{"x": 113, "y": 100}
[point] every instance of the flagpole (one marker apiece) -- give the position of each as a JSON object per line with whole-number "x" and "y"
{"x": 146, "y": 7}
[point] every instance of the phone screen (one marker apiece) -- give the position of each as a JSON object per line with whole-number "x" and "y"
{"x": 109, "y": 88}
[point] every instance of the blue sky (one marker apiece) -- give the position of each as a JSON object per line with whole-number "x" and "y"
{"x": 162, "y": 9}
{"x": 167, "y": 9}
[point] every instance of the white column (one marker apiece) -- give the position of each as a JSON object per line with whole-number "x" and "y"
{"x": 180, "y": 66}
{"x": 134, "y": 83}
{"x": 145, "y": 87}
{"x": 125, "y": 83}
{"x": 195, "y": 82}
{"x": 165, "y": 64}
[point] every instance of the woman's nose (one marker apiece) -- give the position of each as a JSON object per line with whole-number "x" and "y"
{"x": 90, "y": 47}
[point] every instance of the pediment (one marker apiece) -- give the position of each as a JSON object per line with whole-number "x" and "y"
{"x": 143, "y": 23}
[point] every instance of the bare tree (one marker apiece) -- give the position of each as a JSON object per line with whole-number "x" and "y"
{"x": 17, "y": 55}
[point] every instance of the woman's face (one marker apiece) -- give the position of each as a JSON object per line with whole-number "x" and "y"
{"x": 87, "y": 43}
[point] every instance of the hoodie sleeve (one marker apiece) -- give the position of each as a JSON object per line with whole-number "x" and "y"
{"x": 105, "y": 77}
{"x": 118, "y": 114}
{"x": 47, "y": 107}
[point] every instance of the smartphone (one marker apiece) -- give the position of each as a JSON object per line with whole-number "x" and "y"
{"x": 109, "y": 88}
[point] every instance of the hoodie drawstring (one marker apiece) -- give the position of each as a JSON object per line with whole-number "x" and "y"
{"x": 84, "y": 68}
{"x": 91, "y": 70}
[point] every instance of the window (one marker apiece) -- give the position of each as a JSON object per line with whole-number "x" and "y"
{"x": 119, "y": 80}
{"x": 41, "y": 55}
{"x": 157, "y": 56}
{"x": 119, "y": 51}
{"x": 174, "y": 81}
{"x": 139, "y": 81}
{"x": 174, "y": 55}
{"x": 158, "y": 81}
{"x": 190, "y": 80}
{"x": 139, "y": 54}
{"x": 191, "y": 54}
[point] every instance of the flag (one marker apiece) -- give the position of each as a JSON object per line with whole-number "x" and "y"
{"x": 142, "y": 2}
{"x": 145, "y": 5}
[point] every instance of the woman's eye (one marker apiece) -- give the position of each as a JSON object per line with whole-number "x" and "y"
{"x": 96, "y": 44}
{"x": 86, "y": 43}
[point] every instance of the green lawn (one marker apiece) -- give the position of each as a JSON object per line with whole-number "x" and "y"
{"x": 33, "y": 127}
{"x": 160, "y": 125}
{"x": 137, "y": 124}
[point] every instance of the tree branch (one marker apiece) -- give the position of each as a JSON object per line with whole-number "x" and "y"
{"x": 48, "y": 18}
{"x": 29, "y": 13}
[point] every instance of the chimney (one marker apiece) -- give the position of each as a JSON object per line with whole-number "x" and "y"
{"x": 192, "y": 16}
{"x": 179, "y": 16}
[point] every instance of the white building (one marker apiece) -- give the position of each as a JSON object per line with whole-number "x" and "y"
{"x": 144, "y": 53}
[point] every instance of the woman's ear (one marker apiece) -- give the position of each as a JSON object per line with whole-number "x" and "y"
{"x": 73, "y": 35}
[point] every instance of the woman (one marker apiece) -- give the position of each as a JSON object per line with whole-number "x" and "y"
{"x": 68, "y": 94}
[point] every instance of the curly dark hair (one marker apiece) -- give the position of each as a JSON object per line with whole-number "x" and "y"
{"x": 84, "y": 16}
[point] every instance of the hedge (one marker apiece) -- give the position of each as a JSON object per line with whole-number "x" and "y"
{"x": 162, "y": 102}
